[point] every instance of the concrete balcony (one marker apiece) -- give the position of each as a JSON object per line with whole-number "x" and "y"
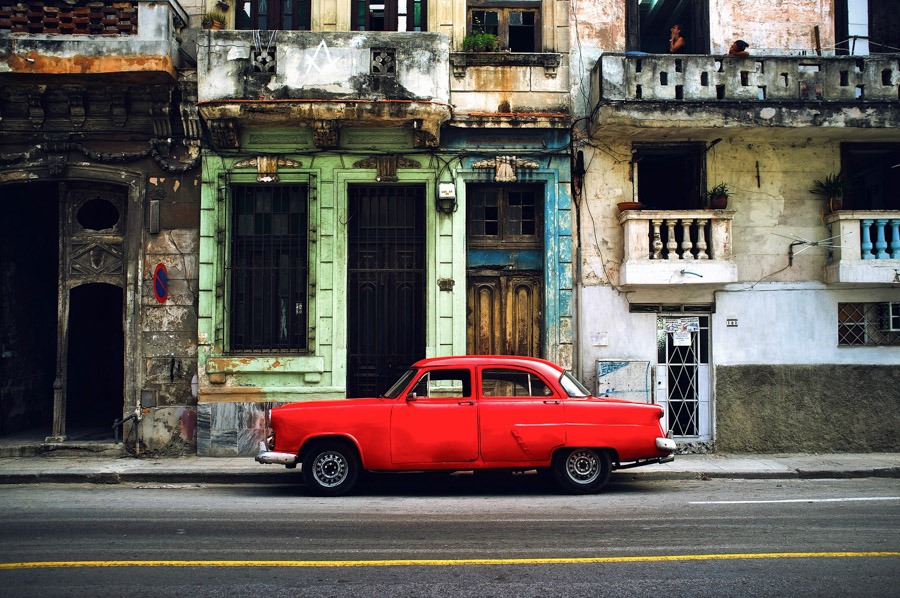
{"x": 674, "y": 247}
{"x": 694, "y": 92}
{"x": 867, "y": 247}
{"x": 58, "y": 42}
{"x": 323, "y": 80}
{"x": 510, "y": 89}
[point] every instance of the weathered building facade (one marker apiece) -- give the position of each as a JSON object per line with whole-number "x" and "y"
{"x": 304, "y": 202}
{"x": 769, "y": 324}
{"x": 373, "y": 195}
{"x": 99, "y": 155}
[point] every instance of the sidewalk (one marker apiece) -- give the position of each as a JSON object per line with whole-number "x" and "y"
{"x": 244, "y": 470}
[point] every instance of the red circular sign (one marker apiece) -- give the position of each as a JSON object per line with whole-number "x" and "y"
{"x": 161, "y": 283}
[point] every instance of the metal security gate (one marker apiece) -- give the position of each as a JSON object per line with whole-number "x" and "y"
{"x": 386, "y": 285}
{"x": 682, "y": 377}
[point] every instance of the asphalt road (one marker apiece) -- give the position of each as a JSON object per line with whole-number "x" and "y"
{"x": 454, "y": 536}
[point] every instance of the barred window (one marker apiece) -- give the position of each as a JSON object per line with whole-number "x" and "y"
{"x": 269, "y": 268}
{"x": 868, "y": 324}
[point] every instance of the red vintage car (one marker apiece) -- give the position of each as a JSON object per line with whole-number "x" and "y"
{"x": 469, "y": 413}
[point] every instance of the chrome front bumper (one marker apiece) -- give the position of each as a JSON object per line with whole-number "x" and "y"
{"x": 267, "y": 456}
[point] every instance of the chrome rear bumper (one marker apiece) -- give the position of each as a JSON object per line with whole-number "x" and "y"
{"x": 665, "y": 444}
{"x": 267, "y": 456}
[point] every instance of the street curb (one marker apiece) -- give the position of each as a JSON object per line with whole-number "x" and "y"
{"x": 293, "y": 477}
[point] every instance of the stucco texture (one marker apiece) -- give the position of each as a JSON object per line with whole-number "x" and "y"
{"x": 799, "y": 408}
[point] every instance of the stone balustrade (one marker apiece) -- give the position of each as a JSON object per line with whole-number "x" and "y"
{"x": 677, "y": 246}
{"x": 866, "y": 246}
{"x": 653, "y": 90}
{"x": 763, "y": 78}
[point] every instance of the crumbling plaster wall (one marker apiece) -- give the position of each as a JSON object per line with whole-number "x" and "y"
{"x": 778, "y": 201}
{"x": 168, "y": 332}
{"x": 771, "y": 27}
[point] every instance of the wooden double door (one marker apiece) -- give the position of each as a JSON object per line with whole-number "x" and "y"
{"x": 504, "y": 313}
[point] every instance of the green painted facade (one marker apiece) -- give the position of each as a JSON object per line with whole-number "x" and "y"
{"x": 235, "y": 389}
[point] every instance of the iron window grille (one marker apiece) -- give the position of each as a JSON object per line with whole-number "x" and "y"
{"x": 868, "y": 324}
{"x": 268, "y": 269}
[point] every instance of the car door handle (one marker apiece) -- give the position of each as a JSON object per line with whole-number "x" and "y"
{"x": 551, "y": 402}
{"x": 466, "y": 403}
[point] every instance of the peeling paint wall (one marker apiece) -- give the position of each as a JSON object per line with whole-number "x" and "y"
{"x": 779, "y": 380}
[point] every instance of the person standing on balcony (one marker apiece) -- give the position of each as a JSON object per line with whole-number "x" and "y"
{"x": 676, "y": 39}
{"x": 739, "y": 48}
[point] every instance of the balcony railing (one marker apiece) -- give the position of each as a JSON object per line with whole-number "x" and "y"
{"x": 757, "y": 90}
{"x": 325, "y": 80}
{"x": 866, "y": 247}
{"x": 677, "y": 247}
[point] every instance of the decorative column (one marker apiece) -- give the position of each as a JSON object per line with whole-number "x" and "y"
{"x": 866, "y": 244}
{"x": 686, "y": 244}
{"x": 881, "y": 243}
{"x": 657, "y": 240}
{"x": 701, "y": 239}
{"x": 672, "y": 245}
{"x": 895, "y": 239}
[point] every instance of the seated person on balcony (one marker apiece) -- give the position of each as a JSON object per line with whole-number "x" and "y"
{"x": 676, "y": 40}
{"x": 739, "y": 48}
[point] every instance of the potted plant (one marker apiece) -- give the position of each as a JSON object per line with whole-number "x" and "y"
{"x": 213, "y": 19}
{"x": 718, "y": 197}
{"x": 480, "y": 42}
{"x": 831, "y": 188}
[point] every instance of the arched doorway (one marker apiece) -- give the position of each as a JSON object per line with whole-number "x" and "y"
{"x": 95, "y": 380}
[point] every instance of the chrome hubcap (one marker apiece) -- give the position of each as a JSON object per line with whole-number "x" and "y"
{"x": 330, "y": 469}
{"x": 583, "y": 466}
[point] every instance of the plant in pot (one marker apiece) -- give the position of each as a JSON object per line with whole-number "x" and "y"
{"x": 480, "y": 42}
{"x": 831, "y": 188}
{"x": 213, "y": 19}
{"x": 718, "y": 197}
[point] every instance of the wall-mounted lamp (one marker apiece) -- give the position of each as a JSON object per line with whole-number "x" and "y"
{"x": 446, "y": 198}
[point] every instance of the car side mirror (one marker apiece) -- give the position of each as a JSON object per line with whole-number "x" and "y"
{"x": 411, "y": 397}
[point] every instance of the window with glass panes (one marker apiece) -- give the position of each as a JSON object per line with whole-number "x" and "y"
{"x": 267, "y": 15}
{"x": 504, "y": 215}
{"x": 517, "y": 28}
{"x": 389, "y": 15}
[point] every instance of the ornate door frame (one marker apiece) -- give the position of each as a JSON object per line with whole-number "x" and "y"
{"x": 112, "y": 256}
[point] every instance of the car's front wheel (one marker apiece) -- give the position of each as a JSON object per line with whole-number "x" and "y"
{"x": 582, "y": 470}
{"x": 331, "y": 468}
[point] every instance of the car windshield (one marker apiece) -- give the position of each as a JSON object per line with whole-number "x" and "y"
{"x": 400, "y": 384}
{"x": 573, "y": 387}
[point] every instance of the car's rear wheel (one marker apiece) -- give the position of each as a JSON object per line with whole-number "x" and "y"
{"x": 582, "y": 470}
{"x": 331, "y": 468}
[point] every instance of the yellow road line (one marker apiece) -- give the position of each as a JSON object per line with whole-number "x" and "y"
{"x": 445, "y": 562}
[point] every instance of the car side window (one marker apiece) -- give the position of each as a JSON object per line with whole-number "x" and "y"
{"x": 512, "y": 383}
{"x": 444, "y": 384}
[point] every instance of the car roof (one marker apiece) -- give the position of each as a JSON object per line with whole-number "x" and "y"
{"x": 547, "y": 367}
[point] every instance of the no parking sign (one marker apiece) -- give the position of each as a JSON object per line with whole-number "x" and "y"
{"x": 161, "y": 283}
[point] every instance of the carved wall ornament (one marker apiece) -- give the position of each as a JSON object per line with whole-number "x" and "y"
{"x": 267, "y": 167}
{"x": 505, "y": 167}
{"x": 325, "y": 134}
{"x": 386, "y": 166}
{"x": 225, "y": 133}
